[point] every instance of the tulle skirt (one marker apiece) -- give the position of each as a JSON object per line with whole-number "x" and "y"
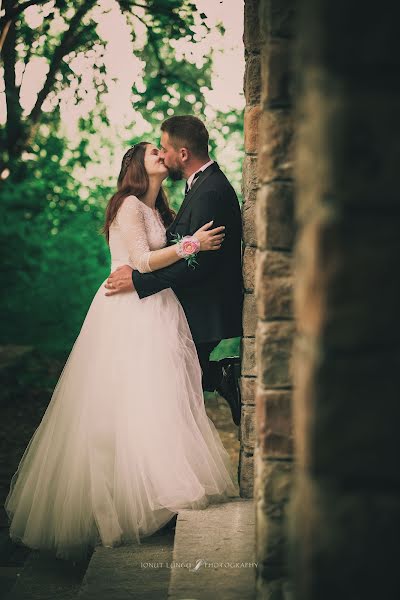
{"x": 125, "y": 442}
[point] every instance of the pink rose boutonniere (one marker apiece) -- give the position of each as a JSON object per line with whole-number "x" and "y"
{"x": 187, "y": 247}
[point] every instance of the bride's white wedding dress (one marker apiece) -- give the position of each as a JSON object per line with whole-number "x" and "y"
{"x": 125, "y": 442}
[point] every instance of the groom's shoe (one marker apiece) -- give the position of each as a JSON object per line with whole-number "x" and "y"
{"x": 229, "y": 386}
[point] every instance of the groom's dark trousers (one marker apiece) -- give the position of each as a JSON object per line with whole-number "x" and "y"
{"x": 212, "y": 371}
{"x": 212, "y": 293}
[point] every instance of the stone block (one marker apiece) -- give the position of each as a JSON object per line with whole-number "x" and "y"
{"x": 251, "y": 124}
{"x": 274, "y": 299}
{"x": 251, "y": 34}
{"x": 247, "y": 425}
{"x": 248, "y": 390}
{"x": 274, "y": 342}
{"x": 248, "y": 357}
{"x": 249, "y": 315}
{"x": 313, "y": 170}
{"x": 249, "y": 268}
{"x": 357, "y": 396}
{"x": 343, "y": 541}
{"x": 274, "y": 481}
{"x": 274, "y": 422}
{"x": 277, "y": 80}
{"x": 252, "y": 79}
{"x": 250, "y": 196}
{"x": 246, "y": 474}
{"x": 274, "y": 293}
{"x": 277, "y": 18}
{"x": 249, "y": 223}
{"x": 346, "y": 290}
{"x": 250, "y": 176}
{"x": 276, "y": 145}
{"x": 337, "y": 132}
{"x": 275, "y": 216}
{"x": 275, "y": 264}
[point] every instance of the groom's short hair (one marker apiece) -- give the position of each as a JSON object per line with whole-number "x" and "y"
{"x": 188, "y": 132}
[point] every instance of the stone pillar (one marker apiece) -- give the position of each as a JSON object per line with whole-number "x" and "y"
{"x": 274, "y": 287}
{"x": 345, "y": 519}
{"x": 252, "y": 89}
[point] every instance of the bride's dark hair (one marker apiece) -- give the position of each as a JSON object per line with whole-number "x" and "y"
{"x": 134, "y": 180}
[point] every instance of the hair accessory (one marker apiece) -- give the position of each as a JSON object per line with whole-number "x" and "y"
{"x": 127, "y": 159}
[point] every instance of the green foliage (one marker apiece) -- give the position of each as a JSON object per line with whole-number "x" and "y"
{"x": 54, "y": 257}
{"x": 229, "y": 347}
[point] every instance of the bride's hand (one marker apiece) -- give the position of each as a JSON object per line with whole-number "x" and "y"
{"x": 210, "y": 239}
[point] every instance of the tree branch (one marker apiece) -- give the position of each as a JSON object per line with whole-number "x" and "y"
{"x": 153, "y": 44}
{"x": 126, "y": 6}
{"x": 9, "y": 55}
{"x": 19, "y": 8}
{"x": 65, "y": 46}
{"x": 11, "y": 13}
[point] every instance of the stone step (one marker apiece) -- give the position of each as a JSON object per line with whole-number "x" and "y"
{"x": 157, "y": 569}
{"x": 214, "y": 553}
{"x": 130, "y": 572}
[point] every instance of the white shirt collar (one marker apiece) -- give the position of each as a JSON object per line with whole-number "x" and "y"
{"x": 203, "y": 168}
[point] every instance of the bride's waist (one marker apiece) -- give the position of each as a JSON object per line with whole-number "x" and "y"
{"x": 115, "y": 263}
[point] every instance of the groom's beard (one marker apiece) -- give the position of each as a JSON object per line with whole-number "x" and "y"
{"x": 175, "y": 173}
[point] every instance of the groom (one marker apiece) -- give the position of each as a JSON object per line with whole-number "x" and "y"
{"x": 212, "y": 293}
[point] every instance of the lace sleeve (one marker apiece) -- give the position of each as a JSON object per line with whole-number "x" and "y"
{"x": 130, "y": 219}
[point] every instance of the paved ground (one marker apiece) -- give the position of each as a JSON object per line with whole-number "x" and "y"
{"x": 123, "y": 573}
{"x": 214, "y": 553}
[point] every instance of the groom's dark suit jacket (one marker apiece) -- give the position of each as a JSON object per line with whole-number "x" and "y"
{"x": 212, "y": 293}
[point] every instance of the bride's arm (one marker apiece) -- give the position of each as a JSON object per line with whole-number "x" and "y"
{"x": 210, "y": 239}
{"x": 131, "y": 222}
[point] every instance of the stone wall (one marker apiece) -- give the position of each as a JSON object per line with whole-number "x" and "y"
{"x": 346, "y": 509}
{"x": 327, "y": 523}
{"x": 267, "y": 432}
{"x": 274, "y": 287}
{"x": 252, "y": 90}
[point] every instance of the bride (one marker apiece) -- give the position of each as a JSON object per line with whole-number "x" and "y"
{"x": 125, "y": 442}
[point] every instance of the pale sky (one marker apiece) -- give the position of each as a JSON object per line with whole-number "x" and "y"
{"x": 125, "y": 68}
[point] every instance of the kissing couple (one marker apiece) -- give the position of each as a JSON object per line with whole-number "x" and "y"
{"x": 125, "y": 442}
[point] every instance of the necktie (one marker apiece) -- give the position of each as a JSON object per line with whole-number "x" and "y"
{"x": 187, "y": 188}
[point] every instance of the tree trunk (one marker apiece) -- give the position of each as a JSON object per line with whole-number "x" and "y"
{"x": 14, "y": 126}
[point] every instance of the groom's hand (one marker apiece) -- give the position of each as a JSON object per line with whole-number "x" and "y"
{"x": 120, "y": 280}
